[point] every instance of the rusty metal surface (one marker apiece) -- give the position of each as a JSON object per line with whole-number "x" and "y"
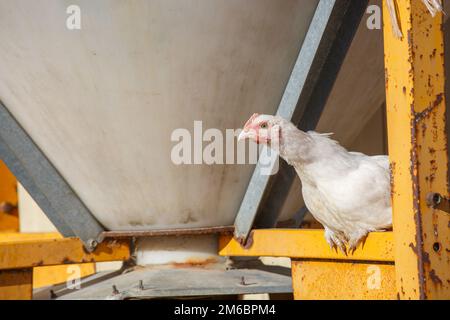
{"x": 16, "y": 284}
{"x": 158, "y": 282}
{"x": 168, "y": 232}
{"x": 416, "y": 119}
{"x": 314, "y": 280}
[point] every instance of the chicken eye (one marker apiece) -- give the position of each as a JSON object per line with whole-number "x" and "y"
{"x": 263, "y": 126}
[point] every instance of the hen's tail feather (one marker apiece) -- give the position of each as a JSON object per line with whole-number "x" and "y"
{"x": 394, "y": 20}
{"x": 434, "y": 6}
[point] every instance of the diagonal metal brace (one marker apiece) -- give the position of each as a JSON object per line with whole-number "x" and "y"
{"x": 45, "y": 184}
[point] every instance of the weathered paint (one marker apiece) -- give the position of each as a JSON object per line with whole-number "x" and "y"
{"x": 54, "y": 251}
{"x": 16, "y": 284}
{"x": 50, "y": 275}
{"x": 9, "y": 220}
{"x": 306, "y": 244}
{"x": 47, "y": 275}
{"x": 418, "y": 147}
{"x": 319, "y": 280}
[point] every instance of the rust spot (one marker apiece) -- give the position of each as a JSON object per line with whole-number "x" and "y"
{"x": 424, "y": 129}
{"x": 197, "y": 263}
{"x": 391, "y": 177}
{"x": 433, "y": 54}
{"x": 66, "y": 260}
{"x": 426, "y": 258}
{"x": 434, "y": 277}
{"x": 39, "y": 263}
{"x": 386, "y": 77}
{"x": 425, "y": 113}
{"x": 410, "y": 39}
{"x": 413, "y": 247}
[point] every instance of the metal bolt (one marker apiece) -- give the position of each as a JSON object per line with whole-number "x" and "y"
{"x": 115, "y": 291}
{"x": 53, "y": 295}
{"x": 92, "y": 244}
{"x": 244, "y": 283}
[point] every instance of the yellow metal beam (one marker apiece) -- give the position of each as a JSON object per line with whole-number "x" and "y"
{"x": 16, "y": 284}
{"x": 306, "y": 244}
{"x": 50, "y": 275}
{"x": 320, "y": 280}
{"x": 418, "y": 150}
{"x": 47, "y": 275}
{"x": 17, "y": 236}
{"x": 34, "y": 253}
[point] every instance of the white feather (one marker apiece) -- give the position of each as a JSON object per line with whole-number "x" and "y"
{"x": 394, "y": 20}
{"x": 348, "y": 192}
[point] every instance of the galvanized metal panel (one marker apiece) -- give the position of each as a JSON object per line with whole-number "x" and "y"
{"x": 102, "y": 102}
{"x": 183, "y": 282}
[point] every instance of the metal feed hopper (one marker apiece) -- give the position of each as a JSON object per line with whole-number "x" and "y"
{"x": 87, "y": 115}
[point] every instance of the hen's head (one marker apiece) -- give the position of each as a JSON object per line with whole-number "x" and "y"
{"x": 262, "y": 129}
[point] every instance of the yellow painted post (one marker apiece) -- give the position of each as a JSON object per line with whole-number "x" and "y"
{"x": 418, "y": 150}
{"x": 9, "y": 219}
{"x": 343, "y": 280}
{"x": 16, "y": 284}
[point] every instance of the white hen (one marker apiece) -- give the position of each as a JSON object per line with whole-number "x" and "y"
{"x": 347, "y": 192}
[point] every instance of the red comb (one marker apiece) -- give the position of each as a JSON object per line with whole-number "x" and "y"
{"x": 253, "y": 117}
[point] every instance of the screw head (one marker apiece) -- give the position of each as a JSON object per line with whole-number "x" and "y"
{"x": 92, "y": 244}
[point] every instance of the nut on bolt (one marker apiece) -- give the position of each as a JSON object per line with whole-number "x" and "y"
{"x": 433, "y": 199}
{"x": 92, "y": 244}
